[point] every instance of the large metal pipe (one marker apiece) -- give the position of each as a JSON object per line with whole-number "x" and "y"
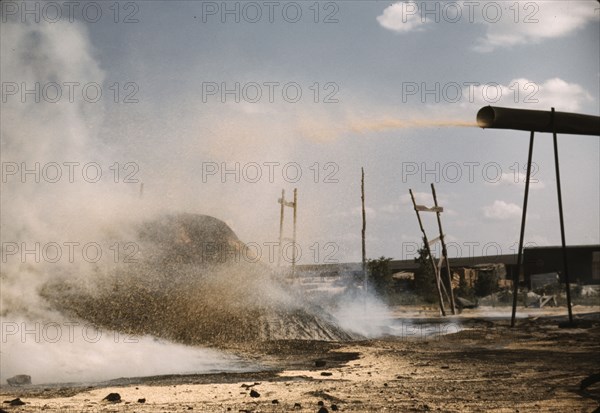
{"x": 538, "y": 120}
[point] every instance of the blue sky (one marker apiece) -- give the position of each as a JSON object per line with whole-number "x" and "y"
{"x": 365, "y": 63}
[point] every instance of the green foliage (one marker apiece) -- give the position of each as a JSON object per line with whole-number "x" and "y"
{"x": 464, "y": 290}
{"x": 380, "y": 276}
{"x": 486, "y": 284}
{"x": 425, "y": 277}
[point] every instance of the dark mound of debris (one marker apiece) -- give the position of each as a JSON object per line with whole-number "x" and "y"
{"x": 19, "y": 380}
{"x": 15, "y": 402}
{"x": 194, "y": 282}
{"x": 113, "y": 398}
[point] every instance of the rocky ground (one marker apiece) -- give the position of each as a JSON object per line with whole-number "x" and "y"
{"x": 488, "y": 366}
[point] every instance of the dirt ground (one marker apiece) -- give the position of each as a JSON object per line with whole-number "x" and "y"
{"x": 487, "y": 366}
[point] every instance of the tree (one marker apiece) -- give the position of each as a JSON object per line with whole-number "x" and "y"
{"x": 464, "y": 290}
{"x": 381, "y": 276}
{"x": 425, "y": 277}
{"x": 486, "y": 283}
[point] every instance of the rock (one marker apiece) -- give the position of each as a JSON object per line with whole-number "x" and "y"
{"x": 297, "y": 406}
{"x": 141, "y": 400}
{"x": 254, "y": 393}
{"x": 334, "y": 407}
{"x": 326, "y": 373}
{"x": 320, "y": 363}
{"x": 323, "y": 410}
{"x": 19, "y": 380}
{"x": 275, "y": 401}
{"x": 15, "y": 402}
{"x": 464, "y": 303}
{"x": 113, "y": 397}
{"x": 320, "y": 403}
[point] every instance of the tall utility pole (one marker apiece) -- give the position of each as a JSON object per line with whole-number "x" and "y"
{"x": 294, "y": 233}
{"x": 294, "y": 205}
{"x": 282, "y": 202}
{"x": 364, "y": 228}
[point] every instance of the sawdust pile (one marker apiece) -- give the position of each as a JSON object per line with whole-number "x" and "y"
{"x": 194, "y": 282}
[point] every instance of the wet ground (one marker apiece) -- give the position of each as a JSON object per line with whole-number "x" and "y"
{"x": 487, "y": 366}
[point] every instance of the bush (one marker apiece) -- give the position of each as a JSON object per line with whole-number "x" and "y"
{"x": 380, "y": 276}
{"x": 486, "y": 284}
{"x": 464, "y": 290}
{"x": 425, "y": 277}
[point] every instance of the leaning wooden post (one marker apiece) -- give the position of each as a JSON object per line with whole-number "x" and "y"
{"x": 433, "y": 266}
{"x": 364, "y": 228}
{"x": 444, "y": 250}
{"x": 282, "y": 202}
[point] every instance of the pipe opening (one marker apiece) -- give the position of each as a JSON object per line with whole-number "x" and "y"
{"x": 486, "y": 117}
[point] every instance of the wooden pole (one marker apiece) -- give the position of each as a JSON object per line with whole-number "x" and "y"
{"x": 294, "y": 233}
{"x": 444, "y": 250}
{"x": 522, "y": 234}
{"x": 562, "y": 222}
{"x": 282, "y": 202}
{"x": 444, "y": 291}
{"x": 364, "y": 228}
{"x": 141, "y": 190}
{"x": 433, "y": 266}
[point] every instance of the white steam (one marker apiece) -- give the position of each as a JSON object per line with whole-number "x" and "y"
{"x": 36, "y": 213}
{"x": 364, "y": 314}
{"x": 73, "y": 352}
{"x": 76, "y": 211}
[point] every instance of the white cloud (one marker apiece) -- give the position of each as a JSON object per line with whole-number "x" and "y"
{"x": 513, "y": 24}
{"x": 404, "y": 204}
{"x": 533, "y": 22}
{"x": 402, "y": 17}
{"x": 450, "y": 212}
{"x": 528, "y": 94}
{"x": 501, "y": 210}
{"x": 518, "y": 178}
{"x": 354, "y": 212}
{"x": 392, "y": 208}
{"x": 557, "y": 92}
